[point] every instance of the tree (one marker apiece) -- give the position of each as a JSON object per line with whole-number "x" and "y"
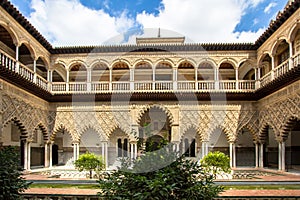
{"x": 11, "y": 181}
{"x": 159, "y": 175}
{"x": 216, "y": 163}
{"x": 89, "y": 162}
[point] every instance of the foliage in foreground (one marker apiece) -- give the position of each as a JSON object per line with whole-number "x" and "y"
{"x": 89, "y": 162}
{"x": 11, "y": 182}
{"x": 177, "y": 178}
{"x": 216, "y": 163}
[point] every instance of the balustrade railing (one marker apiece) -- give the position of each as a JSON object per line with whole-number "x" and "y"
{"x": 206, "y": 85}
{"x": 120, "y": 86}
{"x": 100, "y": 86}
{"x": 186, "y": 85}
{"x": 281, "y": 69}
{"x": 164, "y": 85}
{"x": 143, "y": 86}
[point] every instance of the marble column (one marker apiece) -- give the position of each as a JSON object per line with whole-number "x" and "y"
{"x": 50, "y": 153}
{"x": 261, "y": 156}
{"x": 46, "y": 162}
{"x": 256, "y": 155}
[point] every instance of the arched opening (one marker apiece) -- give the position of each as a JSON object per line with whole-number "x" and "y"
{"x": 12, "y": 136}
{"x": 78, "y": 73}
{"x": 292, "y": 146}
{"x": 295, "y": 39}
{"x": 41, "y": 68}
{"x": 25, "y": 56}
{"x": 56, "y": 77}
{"x": 143, "y": 72}
{"x": 100, "y": 73}
{"x": 62, "y": 149}
{"x": 270, "y": 149}
{"x": 266, "y": 65}
{"x": 186, "y": 72}
{"x": 7, "y": 43}
{"x": 205, "y": 72}
{"x": 118, "y": 147}
{"x": 154, "y": 122}
{"x": 226, "y": 71}
{"x": 218, "y": 141}
{"x": 120, "y": 72}
{"x": 90, "y": 141}
{"x": 143, "y": 76}
{"x": 282, "y": 53}
{"x": 37, "y": 149}
{"x": 250, "y": 75}
{"x": 163, "y": 72}
{"x": 190, "y": 144}
{"x": 154, "y": 143}
{"x": 245, "y": 149}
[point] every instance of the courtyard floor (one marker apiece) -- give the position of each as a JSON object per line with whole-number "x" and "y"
{"x": 280, "y": 178}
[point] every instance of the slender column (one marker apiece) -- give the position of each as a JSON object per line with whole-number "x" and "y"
{"x": 46, "y": 155}
{"x": 89, "y": 79}
{"x": 204, "y": 148}
{"x": 25, "y": 154}
{"x": 283, "y": 156}
{"x": 279, "y": 156}
{"x": 49, "y": 79}
{"x": 237, "y": 78}
{"x": 131, "y": 78}
{"x": 106, "y": 154}
{"x": 261, "y": 156}
{"x": 216, "y": 74}
{"x": 135, "y": 150}
{"x": 77, "y": 149}
{"x": 175, "y": 78}
{"x": 110, "y": 79}
{"x": 256, "y": 155}
{"x": 50, "y": 154}
{"x": 291, "y": 56}
{"x": 34, "y": 70}
{"x": 273, "y": 66}
{"x": 153, "y": 78}
{"x": 231, "y": 154}
{"x": 68, "y": 80}
{"x": 17, "y": 59}
{"x": 196, "y": 78}
{"x": 29, "y": 155}
{"x": 131, "y": 150}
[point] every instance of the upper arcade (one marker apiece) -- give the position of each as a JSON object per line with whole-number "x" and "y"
{"x": 153, "y": 64}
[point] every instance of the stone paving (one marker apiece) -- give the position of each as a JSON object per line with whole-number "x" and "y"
{"x": 281, "y": 177}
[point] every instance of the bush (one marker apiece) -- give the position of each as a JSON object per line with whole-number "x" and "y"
{"x": 89, "y": 162}
{"x": 11, "y": 182}
{"x": 177, "y": 178}
{"x": 216, "y": 163}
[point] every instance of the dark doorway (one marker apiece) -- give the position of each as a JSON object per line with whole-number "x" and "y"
{"x": 55, "y": 154}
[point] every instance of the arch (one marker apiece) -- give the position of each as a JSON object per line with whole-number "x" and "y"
{"x": 137, "y": 62}
{"x": 245, "y": 148}
{"x": 262, "y": 56}
{"x": 100, "y": 71}
{"x": 187, "y": 60}
{"x": 44, "y": 131}
{"x": 209, "y": 61}
{"x": 45, "y": 60}
{"x": 275, "y": 45}
{"x": 11, "y": 31}
{"x": 98, "y": 131}
{"x": 288, "y": 125}
{"x": 19, "y": 124}
{"x": 251, "y": 130}
{"x": 122, "y": 129}
{"x": 229, "y": 61}
{"x": 161, "y": 107}
{"x": 76, "y": 62}
{"x": 29, "y": 47}
{"x": 222, "y": 129}
{"x": 120, "y": 61}
{"x": 293, "y": 31}
{"x": 143, "y": 71}
{"x": 186, "y": 71}
{"x": 190, "y": 126}
{"x": 9, "y": 38}
{"x": 264, "y": 132}
{"x": 62, "y": 129}
{"x": 78, "y": 72}
{"x": 99, "y": 61}
{"x": 164, "y": 61}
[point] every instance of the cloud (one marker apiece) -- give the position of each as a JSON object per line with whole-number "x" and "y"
{"x": 68, "y": 22}
{"x": 202, "y": 21}
{"x": 269, "y": 7}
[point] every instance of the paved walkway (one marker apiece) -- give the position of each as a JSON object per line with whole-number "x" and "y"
{"x": 280, "y": 177}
